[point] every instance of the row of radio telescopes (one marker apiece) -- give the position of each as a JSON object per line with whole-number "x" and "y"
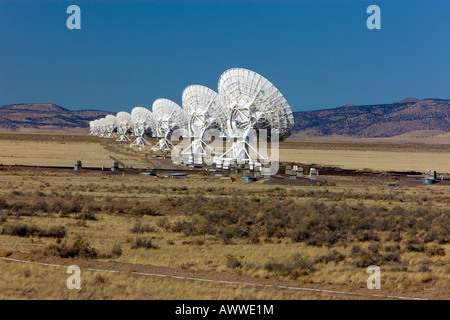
{"x": 247, "y": 107}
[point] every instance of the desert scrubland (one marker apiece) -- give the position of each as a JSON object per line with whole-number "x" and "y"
{"x": 271, "y": 233}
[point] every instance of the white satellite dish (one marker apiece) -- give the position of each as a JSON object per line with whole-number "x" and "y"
{"x": 123, "y": 124}
{"x": 168, "y": 117}
{"x": 109, "y": 126}
{"x": 101, "y": 125}
{"x": 251, "y": 102}
{"x": 142, "y": 122}
{"x": 91, "y": 127}
{"x": 98, "y": 127}
{"x": 204, "y": 110}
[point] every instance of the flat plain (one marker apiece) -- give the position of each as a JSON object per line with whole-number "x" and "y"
{"x": 225, "y": 238}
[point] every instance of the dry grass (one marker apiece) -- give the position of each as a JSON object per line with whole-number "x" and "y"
{"x": 59, "y": 150}
{"x": 308, "y": 234}
{"x": 64, "y": 150}
{"x": 375, "y": 160}
{"x": 115, "y": 201}
{"x": 37, "y": 282}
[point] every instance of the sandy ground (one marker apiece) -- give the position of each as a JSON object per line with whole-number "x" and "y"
{"x": 375, "y": 160}
{"x": 52, "y": 154}
{"x": 46, "y": 153}
{"x": 94, "y": 154}
{"x": 421, "y": 137}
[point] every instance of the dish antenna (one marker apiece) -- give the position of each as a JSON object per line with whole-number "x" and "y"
{"x": 204, "y": 110}
{"x": 95, "y": 127}
{"x": 109, "y": 126}
{"x": 142, "y": 122}
{"x": 252, "y": 103}
{"x": 123, "y": 124}
{"x": 92, "y": 127}
{"x": 168, "y": 116}
{"x": 101, "y": 128}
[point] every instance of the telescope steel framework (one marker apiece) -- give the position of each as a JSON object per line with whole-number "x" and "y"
{"x": 123, "y": 124}
{"x": 142, "y": 122}
{"x": 252, "y": 103}
{"x": 168, "y": 117}
{"x": 205, "y": 111}
{"x": 110, "y": 126}
{"x": 247, "y": 108}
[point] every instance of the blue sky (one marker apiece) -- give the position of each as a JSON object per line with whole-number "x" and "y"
{"x": 319, "y": 54}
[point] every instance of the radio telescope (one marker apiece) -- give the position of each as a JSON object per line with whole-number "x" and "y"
{"x": 109, "y": 125}
{"x": 92, "y": 127}
{"x": 95, "y": 127}
{"x": 101, "y": 125}
{"x": 142, "y": 122}
{"x": 204, "y": 110}
{"x": 98, "y": 128}
{"x": 168, "y": 116}
{"x": 252, "y": 103}
{"x": 123, "y": 124}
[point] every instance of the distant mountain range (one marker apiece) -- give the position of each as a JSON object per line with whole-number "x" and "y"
{"x": 46, "y": 117}
{"x": 384, "y": 120}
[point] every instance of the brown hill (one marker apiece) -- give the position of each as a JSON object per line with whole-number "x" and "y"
{"x": 385, "y": 120}
{"x": 46, "y": 117}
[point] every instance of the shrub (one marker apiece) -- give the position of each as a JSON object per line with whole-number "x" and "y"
{"x": 3, "y": 218}
{"x": 78, "y": 247}
{"x": 19, "y": 206}
{"x": 116, "y": 251}
{"x": 367, "y": 259}
{"x": 299, "y": 234}
{"x": 393, "y": 248}
{"x": 163, "y": 223}
{"x": 99, "y": 279}
{"x": 189, "y": 228}
{"x": 41, "y": 205}
{"x": 392, "y": 256}
{"x": 81, "y": 223}
{"x": 86, "y": 215}
{"x": 143, "y": 210}
{"x": 232, "y": 262}
{"x": 140, "y": 228}
{"x": 333, "y": 256}
{"x": 436, "y": 250}
{"x": 424, "y": 268}
{"x": 294, "y": 266}
{"x": 143, "y": 243}
{"x": 6, "y": 253}
{"x": 52, "y": 232}
{"x": 59, "y": 207}
{"x": 374, "y": 247}
{"x": 18, "y": 229}
{"x": 356, "y": 251}
{"x": 226, "y": 234}
{"x": 415, "y": 247}
{"x": 3, "y": 204}
{"x": 368, "y": 236}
